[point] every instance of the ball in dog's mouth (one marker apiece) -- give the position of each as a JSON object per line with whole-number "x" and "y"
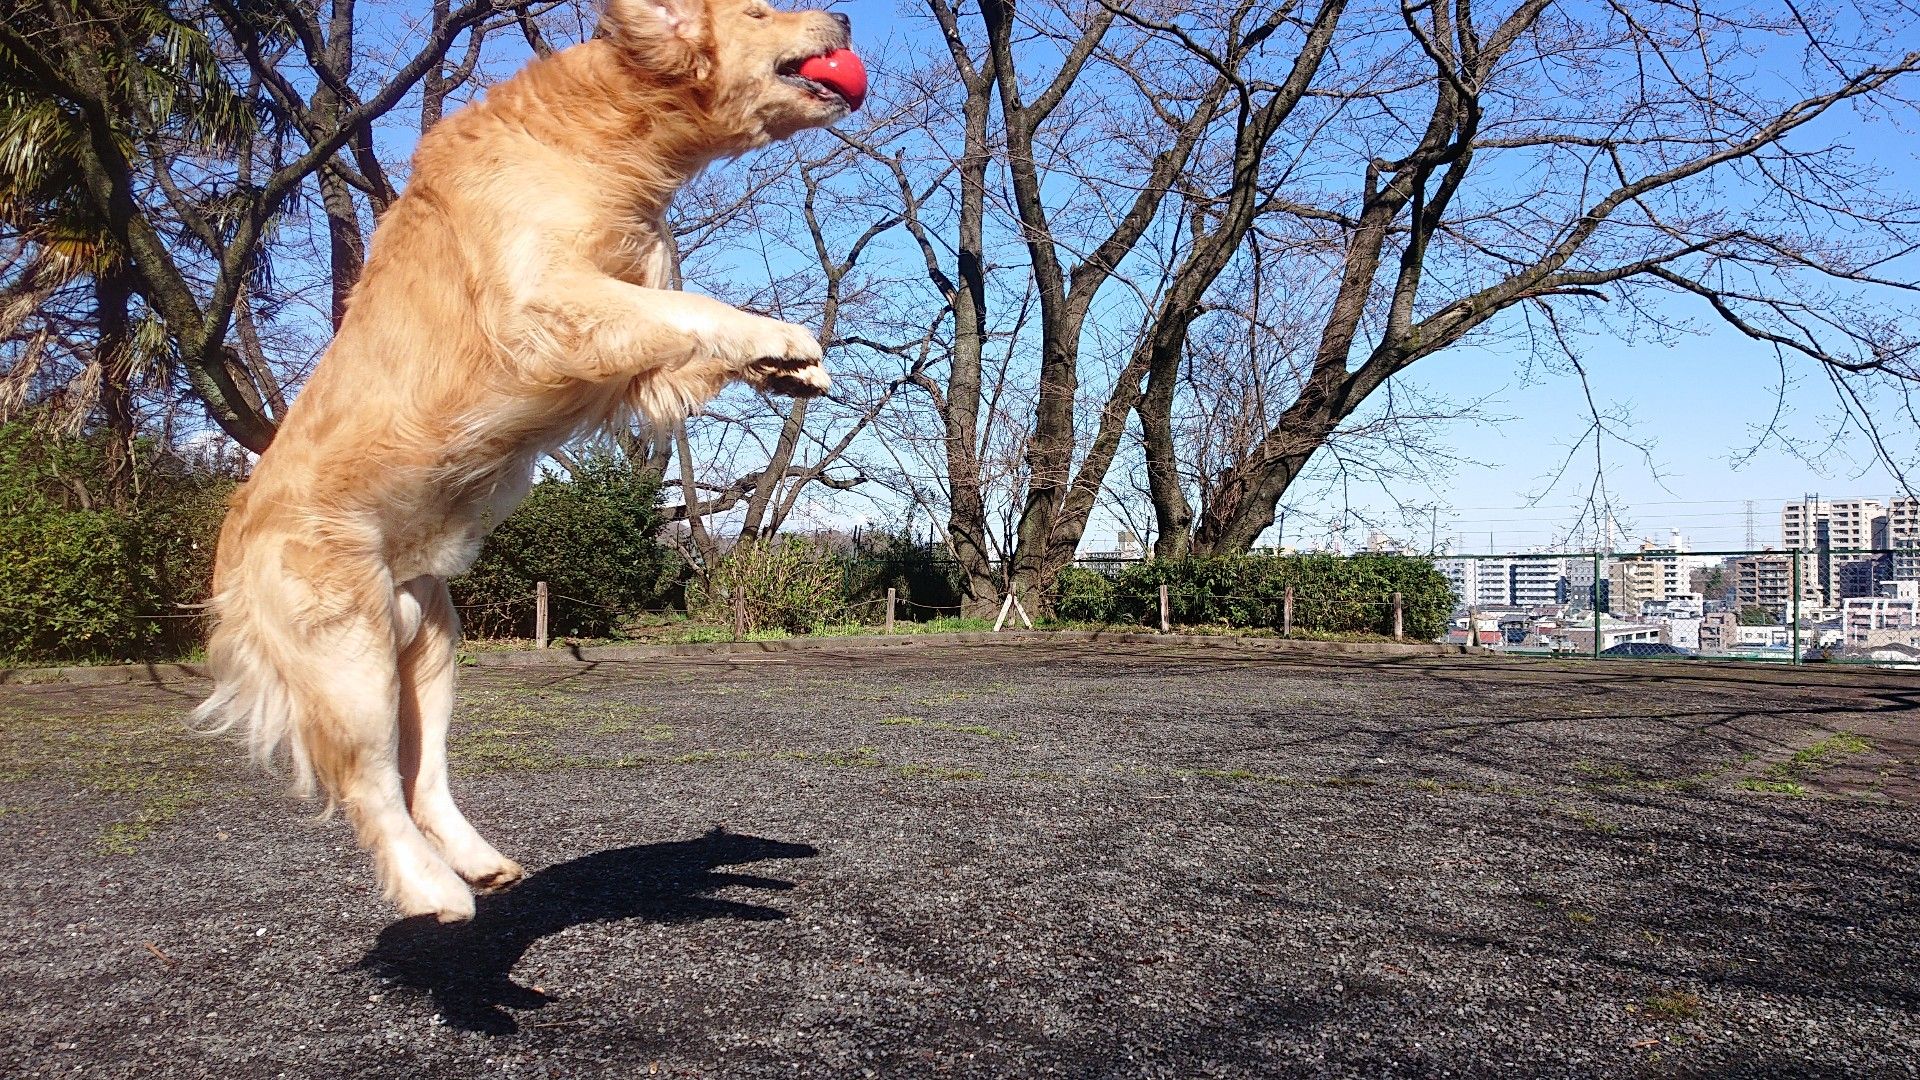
{"x": 838, "y": 73}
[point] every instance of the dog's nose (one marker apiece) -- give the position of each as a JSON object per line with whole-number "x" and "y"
{"x": 846, "y": 24}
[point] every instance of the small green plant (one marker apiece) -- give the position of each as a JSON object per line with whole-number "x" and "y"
{"x": 1771, "y": 787}
{"x": 1674, "y": 1005}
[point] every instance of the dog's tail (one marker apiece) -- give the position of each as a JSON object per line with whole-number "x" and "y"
{"x": 251, "y": 686}
{"x": 282, "y": 679}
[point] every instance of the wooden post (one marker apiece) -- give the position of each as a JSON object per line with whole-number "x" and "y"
{"x": 1473, "y": 628}
{"x": 539, "y": 614}
{"x": 1286, "y": 613}
{"x": 1005, "y": 606}
{"x": 1399, "y": 623}
{"x": 739, "y": 612}
{"x": 889, "y": 628}
{"x": 1021, "y": 610}
{"x": 1166, "y": 625}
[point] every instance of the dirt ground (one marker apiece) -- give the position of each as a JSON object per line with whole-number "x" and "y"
{"x": 1083, "y": 860}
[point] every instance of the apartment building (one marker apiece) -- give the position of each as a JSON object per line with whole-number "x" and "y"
{"x": 1828, "y": 529}
{"x": 1632, "y": 584}
{"x": 1903, "y": 536}
{"x": 1764, "y": 581}
{"x": 1514, "y": 582}
{"x": 1892, "y": 617}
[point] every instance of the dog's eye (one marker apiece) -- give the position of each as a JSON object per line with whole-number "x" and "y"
{"x": 758, "y": 12}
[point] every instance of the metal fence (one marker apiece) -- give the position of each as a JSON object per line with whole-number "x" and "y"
{"x": 1840, "y": 605}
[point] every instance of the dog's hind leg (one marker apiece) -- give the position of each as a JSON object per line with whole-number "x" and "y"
{"x": 426, "y": 710}
{"x": 349, "y": 731}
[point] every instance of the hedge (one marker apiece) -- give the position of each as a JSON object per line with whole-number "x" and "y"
{"x": 1332, "y": 593}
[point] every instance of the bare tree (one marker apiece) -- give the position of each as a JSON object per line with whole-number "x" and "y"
{"x": 1537, "y": 164}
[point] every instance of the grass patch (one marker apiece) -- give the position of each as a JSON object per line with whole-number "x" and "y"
{"x": 1587, "y": 819}
{"x": 1824, "y": 754}
{"x": 1771, "y": 787}
{"x": 1235, "y": 776}
{"x": 1674, "y": 1005}
{"x": 942, "y": 725}
{"x": 938, "y": 772}
{"x": 498, "y": 749}
{"x": 160, "y": 792}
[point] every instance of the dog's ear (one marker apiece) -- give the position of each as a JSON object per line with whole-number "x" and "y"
{"x": 670, "y": 37}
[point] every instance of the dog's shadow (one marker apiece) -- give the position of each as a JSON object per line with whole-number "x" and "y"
{"x": 467, "y": 968}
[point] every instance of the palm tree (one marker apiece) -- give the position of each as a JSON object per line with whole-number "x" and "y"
{"x": 171, "y": 97}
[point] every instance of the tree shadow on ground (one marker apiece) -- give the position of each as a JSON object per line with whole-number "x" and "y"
{"x": 467, "y": 968}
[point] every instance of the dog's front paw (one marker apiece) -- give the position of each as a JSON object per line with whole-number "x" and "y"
{"x": 784, "y": 359}
{"x": 790, "y": 376}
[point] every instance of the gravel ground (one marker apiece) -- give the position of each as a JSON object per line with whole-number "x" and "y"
{"x": 997, "y": 861}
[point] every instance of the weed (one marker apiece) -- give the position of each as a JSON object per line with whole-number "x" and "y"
{"x": 1772, "y": 787}
{"x": 1587, "y": 818}
{"x": 938, "y": 772}
{"x": 1824, "y": 754}
{"x": 1675, "y": 1005}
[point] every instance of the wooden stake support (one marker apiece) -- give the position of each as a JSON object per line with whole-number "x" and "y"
{"x": 539, "y": 614}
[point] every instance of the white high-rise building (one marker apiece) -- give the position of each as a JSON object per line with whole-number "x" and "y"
{"x": 1518, "y": 581}
{"x": 1831, "y": 530}
{"x": 1903, "y": 536}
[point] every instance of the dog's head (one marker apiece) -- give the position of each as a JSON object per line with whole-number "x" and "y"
{"x": 740, "y": 56}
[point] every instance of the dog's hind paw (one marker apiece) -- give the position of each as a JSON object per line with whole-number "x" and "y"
{"x": 448, "y": 900}
{"x": 499, "y": 879}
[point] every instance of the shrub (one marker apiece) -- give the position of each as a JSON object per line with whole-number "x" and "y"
{"x": 1332, "y": 593}
{"x": 83, "y": 577}
{"x": 1084, "y": 596}
{"x": 790, "y": 583}
{"x": 924, "y": 578}
{"x": 591, "y": 537}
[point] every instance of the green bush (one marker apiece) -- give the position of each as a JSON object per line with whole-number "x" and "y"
{"x": 87, "y": 577}
{"x": 1084, "y": 596}
{"x": 591, "y": 537}
{"x": 790, "y": 584}
{"x": 1332, "y": 593}
{"x": 924, "y": 578}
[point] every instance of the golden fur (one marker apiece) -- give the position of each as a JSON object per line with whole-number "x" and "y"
{"x": 515, "y": 297}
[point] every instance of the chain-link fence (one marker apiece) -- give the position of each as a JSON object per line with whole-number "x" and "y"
{"x": 1836, "y": 605}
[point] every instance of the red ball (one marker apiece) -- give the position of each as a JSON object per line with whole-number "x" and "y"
{"x": 839, "y": 71}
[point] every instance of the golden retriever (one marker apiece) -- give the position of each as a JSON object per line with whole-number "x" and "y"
{"x": 516, "y": 296}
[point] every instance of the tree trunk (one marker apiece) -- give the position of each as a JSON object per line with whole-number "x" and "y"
{"x": 113, "y": 297}
{"x": 966, "y": 509}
